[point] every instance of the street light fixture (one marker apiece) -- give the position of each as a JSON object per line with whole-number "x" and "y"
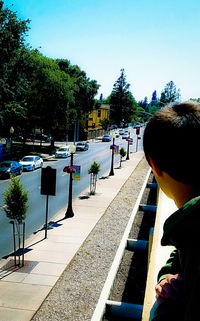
{"x": 69, "y": 212}
{"x": 112, "y": 159}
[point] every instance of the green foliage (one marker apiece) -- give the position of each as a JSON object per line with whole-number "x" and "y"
{"x": 15, "y": 199}
{"x": 169, "y": 94}
{"x": 195, "y": 100}
{"x": 94, "y": 168}
{"x": 12, "y": 84}
{"x": 105, "y": 123}
{"x": 122, "y": 152}
{"x": 121, "y": 100}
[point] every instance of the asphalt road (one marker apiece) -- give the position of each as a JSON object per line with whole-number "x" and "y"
{"x": 98, "y": 151}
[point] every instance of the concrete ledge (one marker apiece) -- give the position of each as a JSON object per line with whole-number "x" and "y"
{"x": 158, "y": 254}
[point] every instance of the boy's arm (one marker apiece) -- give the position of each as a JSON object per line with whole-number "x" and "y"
{"x": 169, "y": 278}
{"x": 172, "y": 266}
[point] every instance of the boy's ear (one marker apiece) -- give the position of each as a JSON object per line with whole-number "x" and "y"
{"x": 155, "y": 168}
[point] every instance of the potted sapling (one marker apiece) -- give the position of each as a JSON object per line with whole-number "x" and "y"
{"x": 122, "y": 154}
{"x": 93, "y": 171}
{"x": 16, "y": 198}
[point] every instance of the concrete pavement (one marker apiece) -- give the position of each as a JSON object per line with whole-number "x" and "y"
{"x": 24, "y": 289}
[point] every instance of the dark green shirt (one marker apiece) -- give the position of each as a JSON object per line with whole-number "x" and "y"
{"x": 182, "y": 230}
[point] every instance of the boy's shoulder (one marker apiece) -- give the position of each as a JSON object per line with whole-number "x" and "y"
{"x": 182, "y": 224}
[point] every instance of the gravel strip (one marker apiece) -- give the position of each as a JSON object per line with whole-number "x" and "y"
{"x": 76, "y": 293}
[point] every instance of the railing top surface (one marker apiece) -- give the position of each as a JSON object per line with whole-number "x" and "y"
{"x": 159, "y": 254}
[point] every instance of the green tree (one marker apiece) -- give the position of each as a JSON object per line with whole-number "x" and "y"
{"x": 85, "y": 89}
{"x": 122, "y": 153}
{"x": 121, "y": 100}
{"x": 12, "y": 36}
{"x": 169, "y": 94}
{"x": 105, "y": 123}
{"x": 16, "y": 201}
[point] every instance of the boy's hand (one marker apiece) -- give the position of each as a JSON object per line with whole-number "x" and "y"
{"x": 170, "y": 287}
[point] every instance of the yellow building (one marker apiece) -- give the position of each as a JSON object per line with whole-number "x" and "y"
{"x": 96, "y": 115}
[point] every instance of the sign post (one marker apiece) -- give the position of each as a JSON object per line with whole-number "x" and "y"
{"x": 48, "y": 187}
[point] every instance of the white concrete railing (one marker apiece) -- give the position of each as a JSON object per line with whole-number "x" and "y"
{"x": 158, "y": 254}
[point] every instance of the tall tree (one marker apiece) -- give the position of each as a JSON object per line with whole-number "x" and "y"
{"x": 154, "y": 99}
{"x": 121, "y": 100}
{"x": 169, "y": 94}
{"x": 12, "y": 35}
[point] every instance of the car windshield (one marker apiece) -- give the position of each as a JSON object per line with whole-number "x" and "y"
{"x": 80, "y": 144}
{"x": 62, "y": 149}
{"x": 28, "y": 159}
{"x": 7, "y": 165}
{"x": 106, "y": 135}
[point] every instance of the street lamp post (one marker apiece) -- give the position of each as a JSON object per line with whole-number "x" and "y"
{"x": 112, "y": 159}
{"x": 69, "y": 212}
{"x": 127, "y": 154}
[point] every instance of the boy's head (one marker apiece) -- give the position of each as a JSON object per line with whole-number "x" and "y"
{"x": 172, "y": 140}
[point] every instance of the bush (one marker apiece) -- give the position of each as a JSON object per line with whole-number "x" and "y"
{"x": 122, "y": 152}
{"x": 15, "y": 199}
{"x": 94, "y": 168}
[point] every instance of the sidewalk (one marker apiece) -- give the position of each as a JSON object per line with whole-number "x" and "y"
{"x": 23, "y": 290}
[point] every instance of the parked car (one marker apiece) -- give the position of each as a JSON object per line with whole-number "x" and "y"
{"x": 121, "y": 131}
{"x": 82, "y": 146}
{"x": 30, "y": 163}
{"x": 125, "y": 135}
{"x": 116, "y": 134}
{"x": 106, "y": 138}
{"x": 10, "y": 167}
{"x": 62, "y": 152}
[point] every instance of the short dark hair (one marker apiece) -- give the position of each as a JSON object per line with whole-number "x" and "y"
{"x": 172, "y": 140}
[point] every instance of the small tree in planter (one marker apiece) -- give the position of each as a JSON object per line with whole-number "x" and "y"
{"x": 16, "y": 209}
{"x": 122, "y": 154}
{"x": 93, "y": 171}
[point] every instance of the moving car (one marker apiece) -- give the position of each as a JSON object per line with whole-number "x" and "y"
{"x": 30, "y": 163}
{"x": 82, "y": 146}
{"x": 62, "y": 152}
{"x": 10, "y": 167}
{"x": 106, "y": 138}
{"x": 125, "y": 135}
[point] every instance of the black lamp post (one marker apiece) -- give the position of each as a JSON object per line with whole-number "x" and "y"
{"x": 69, "y": 212}
{"x": 112, "y": 159}
{"x": 127, "y": 154}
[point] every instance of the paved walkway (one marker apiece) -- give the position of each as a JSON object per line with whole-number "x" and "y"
{"x": 24, "y": 289}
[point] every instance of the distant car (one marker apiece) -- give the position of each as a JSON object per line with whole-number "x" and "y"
{"x": 116, "y": 134}
{"x": 125, "y": 135}
{"x": 121, "y": 131}
{"x": 62, "y": 152}
{"x": 82, "y": 146}
{"x": 30, "y": 163}
{"x": 106, "y": 138}
{"x": 10, "y": 167}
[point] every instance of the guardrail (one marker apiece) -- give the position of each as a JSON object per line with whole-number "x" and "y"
{"x": 158, "y": 254}
{"x": 157, "y": 257}
{"x": 121, "y": 308}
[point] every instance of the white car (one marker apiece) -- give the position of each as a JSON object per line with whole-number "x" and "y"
{"x": 125, "y": 135}
{"x": 30, "y": 163}
{"x": 121, "y": 131}
{"x": 62, "y": 152}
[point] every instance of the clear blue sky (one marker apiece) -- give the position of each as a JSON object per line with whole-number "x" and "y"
{"x": 155, "y": 41}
